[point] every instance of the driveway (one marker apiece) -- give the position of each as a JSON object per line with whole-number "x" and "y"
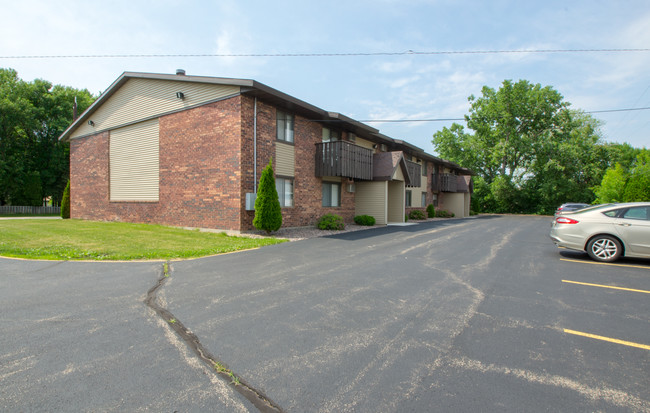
{"x": 462, "y": 315}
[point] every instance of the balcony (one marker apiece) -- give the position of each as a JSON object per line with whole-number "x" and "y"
{"x": 445, "y": 183}
{"x": 415, "y": 172}
{"x": 341, "y": 158}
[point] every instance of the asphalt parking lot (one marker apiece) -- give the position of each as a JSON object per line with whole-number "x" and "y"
{"x": 482, "y": 314}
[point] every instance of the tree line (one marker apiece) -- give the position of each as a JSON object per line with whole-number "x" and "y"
{"x": 531, "y": 153}
{"x": 34, "y": 165}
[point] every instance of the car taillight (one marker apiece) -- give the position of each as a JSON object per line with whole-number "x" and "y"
{"x": 565, "y": 220}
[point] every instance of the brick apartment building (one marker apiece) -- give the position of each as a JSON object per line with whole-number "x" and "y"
{"x": 188, "y": 151}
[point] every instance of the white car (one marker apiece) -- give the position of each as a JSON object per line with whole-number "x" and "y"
{"x": 605, "y": 232}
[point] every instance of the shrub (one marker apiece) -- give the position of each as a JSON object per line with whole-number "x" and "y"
{"x": 416, "y": 214}
{"x": 330, "y": 221}
{"x": 431, "y": 211}
{"x": 364, "y": 220}
{"x": 65, "y": 202}
{"x": 268, "y": 212}
{"x": 443, "y": 214}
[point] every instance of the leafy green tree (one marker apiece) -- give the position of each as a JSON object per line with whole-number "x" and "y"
{"x": 612, "y": 187}
{"x": 531, "y": 153}
{"x": 32, "y": 117}
{"x": 638, "y": 185}
{"x": 268, "y": 212}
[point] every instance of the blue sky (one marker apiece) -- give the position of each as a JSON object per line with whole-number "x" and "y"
{"x": 411, "y": 86}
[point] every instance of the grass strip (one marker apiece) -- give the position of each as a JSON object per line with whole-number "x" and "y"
{"x": 73, "y": 239}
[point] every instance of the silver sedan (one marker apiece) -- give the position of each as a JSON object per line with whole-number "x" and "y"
{"x": 605, "y": 232}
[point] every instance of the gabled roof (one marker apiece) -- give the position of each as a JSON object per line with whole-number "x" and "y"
{"x": 253, "y": 88}
{"x": 385, "y": 164}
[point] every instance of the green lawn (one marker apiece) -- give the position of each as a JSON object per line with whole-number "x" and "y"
{"x": 72, "y": 239}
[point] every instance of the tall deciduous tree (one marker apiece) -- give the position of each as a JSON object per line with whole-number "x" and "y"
{"x": 32, "y": 117}
{"x": 530, "y": 151}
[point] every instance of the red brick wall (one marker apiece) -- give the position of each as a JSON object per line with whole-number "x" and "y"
{"x": 206, "y": 168}
{"x": 200, "y": 177}
{"x": 89, "y": 177}
{"x": 307, "y": 187}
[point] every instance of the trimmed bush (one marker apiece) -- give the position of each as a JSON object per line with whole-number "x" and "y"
{"x": 431, "y": 211}
{"x": 444, "y": 214}
{"x": 268, "y": 212}
{"x": 65, "y": 202}
{"x": 366, "y": 220}
{"x": 416, "y": 214}
{"x": 330, "y": 221}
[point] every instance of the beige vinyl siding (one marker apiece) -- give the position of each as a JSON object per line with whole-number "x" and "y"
{"x": 140, "y": 99}
{"x": 398, "y": 175}
{"x": 285, "y": 159}
{"x": 396, "y": 196}
{"x": 370, "y": 199}
{"x": 133, "y": 162}
{"x": 364, "y": 143}
{"x": 417, "y": 200}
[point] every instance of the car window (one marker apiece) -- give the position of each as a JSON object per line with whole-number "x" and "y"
{"x": 636, "y": 213}
{"x": 591, "y": 208}
{"x": 613, "y": 213}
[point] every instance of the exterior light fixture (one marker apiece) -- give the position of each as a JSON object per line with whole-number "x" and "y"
{"x": 180, "y": 95}
{"x": 91, "y": 123}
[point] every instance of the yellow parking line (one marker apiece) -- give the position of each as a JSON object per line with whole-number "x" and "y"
{"x": 606, "y": 263}
{"x": 611, "y": 340}
{"x": 607, "y": 286}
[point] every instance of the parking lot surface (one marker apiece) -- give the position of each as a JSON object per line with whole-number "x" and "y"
{"x": 481, "y": 314}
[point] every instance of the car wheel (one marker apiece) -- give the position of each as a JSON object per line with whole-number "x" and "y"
{"x": 604, "y": 248}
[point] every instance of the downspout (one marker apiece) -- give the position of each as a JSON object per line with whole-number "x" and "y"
{"x": 255, "y": 147}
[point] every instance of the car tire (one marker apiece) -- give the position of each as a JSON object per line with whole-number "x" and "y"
{"x": 604, "y": 248}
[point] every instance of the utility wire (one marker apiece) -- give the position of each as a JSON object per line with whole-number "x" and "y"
{"x": 462, "y": 119}
{"x": 403, "y": 53}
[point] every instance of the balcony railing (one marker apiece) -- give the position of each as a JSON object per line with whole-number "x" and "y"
{"x": 341, "y": 158}
{"x": 415, "y": 171}
{"x": 448, "y": 183}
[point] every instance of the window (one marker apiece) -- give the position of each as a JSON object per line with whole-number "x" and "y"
{"x": 285, "y": 123}
{"x": 424, "y": 199}
{"x": 331, "y": 194}
{"x": 435, "y": 200}
{"x": 424, "y": 168}
{"x": 408, "y": 198}
{"x": 636, "y": 213}
{"x": 284, "y": 186}
{"x": 330, "y": 135}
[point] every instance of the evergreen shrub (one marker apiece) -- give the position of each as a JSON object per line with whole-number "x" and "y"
{"x": 65, "y": 202}
{"x": 431, "y": 211}
{"x": 416, "y": 214}
{"x": 364, "y": 220}
{"x": 268, "y": 212}
{"x": 330, "y": 221}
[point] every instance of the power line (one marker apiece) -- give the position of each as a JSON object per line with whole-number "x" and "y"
{"x": 462, "y": 119}
{"x": 352, "y": 54}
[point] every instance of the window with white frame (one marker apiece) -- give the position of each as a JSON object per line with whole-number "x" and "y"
{"x": 331, "y": 194}
{"x": 284, "y": 186}
{"x": 284, "y": 123}
{"x": 424, "y": 199}
{"x": 408, "y": 198}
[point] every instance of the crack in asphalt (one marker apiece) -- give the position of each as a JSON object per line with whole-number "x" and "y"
{"x": 256, "y": 397}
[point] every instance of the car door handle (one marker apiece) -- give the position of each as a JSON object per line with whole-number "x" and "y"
{"x": 625, "y": 225}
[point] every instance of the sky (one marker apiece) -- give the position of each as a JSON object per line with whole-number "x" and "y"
{"x": 379, "y": 80}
